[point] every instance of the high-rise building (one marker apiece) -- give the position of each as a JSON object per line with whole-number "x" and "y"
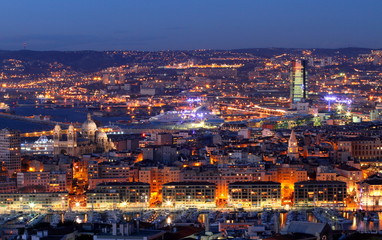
{"x": 10, "y": 150}
{"x": 298, "y": 82}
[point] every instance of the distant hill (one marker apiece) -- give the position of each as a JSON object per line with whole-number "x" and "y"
{"x": 270, "y": 52}
{"x": 37, "y": 62}
{"x": 84, "y": 61}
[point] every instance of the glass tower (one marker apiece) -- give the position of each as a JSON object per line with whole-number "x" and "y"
{"x": 298, "y": 84}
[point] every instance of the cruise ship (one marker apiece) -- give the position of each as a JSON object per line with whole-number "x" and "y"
{"x": 197, "y": 115}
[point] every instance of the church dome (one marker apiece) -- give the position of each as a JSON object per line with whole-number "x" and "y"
{"x": 89, "y": 125}
{"x": 101, "y": 135}
{"x": 57, "y": 128}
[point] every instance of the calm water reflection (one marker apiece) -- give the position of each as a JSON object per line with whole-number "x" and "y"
{"x": 361, "y": 225}
{"x": 357, "y": 222}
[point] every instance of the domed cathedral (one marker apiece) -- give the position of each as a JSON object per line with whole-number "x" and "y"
{"x": 89, "y": 128}
{"x": 90, "y": 131}
{"x": 65, "y": 143}
{"x": 103, "y": 142}
{"x": 73, "y": 143}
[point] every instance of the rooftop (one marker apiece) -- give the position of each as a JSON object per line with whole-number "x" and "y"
{"x": 123, "y": 184}
{"x": 314, "y": 182}
{"x": 255, "y": 183}
{"x": 188, "y": 183}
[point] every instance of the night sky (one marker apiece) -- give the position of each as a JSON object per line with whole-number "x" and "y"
{"x": 186, "y": 24}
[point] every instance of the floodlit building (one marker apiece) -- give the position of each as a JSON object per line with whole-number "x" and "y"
{"x": 33, "y": 201}
{"x": 189, "y": 194}
{"x": 370, "y": 192}
{"x": 65, "y": 143}
{"x": 255, "y": 194}
{"x": 287, "y": 175}
{"x": 319, "y": 193}
{"x": 351, "y": 175}
{"x": 68, "y": 142}
{"x": 119, "y": 195}
{"x": 156, "y": 177}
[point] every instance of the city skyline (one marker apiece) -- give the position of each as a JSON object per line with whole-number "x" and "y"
{"x": 172, "y": 25}
{"x": 175, "y": 120}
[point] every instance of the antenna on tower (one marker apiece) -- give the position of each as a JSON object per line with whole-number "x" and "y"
{"x": 24, "y": 45}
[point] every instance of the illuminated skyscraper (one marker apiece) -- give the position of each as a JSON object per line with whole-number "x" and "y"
{"x": 298, "y": 82}
{"x": 10, "y": 150}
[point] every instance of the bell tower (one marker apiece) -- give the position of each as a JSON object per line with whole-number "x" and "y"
{"x": 293, "y": 146}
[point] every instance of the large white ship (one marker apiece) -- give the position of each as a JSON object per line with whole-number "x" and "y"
{"x": 197, "y": 115}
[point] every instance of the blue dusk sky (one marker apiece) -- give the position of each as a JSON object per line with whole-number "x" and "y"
{"x": 186, "y": 24}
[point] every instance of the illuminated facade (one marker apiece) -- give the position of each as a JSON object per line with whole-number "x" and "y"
{"x": 34, "y": 201}
{"x": 222, "y": 177}
{"x": 255, "y": 194}
{"x": 351, "y": 175}
{"x": 156, "y": 177}
{"x": 119, "y": 195}
{"x": 89, "y": 128}
{"x": 189, "y": 194}
{"x": 65, "y": 143}
{"x": 10, "y": 150}
{"x": 298, "y": 82}
{"x": 287, "y": 175}
{"x": 370, "y": 192}
{"x": 319, "y": 193}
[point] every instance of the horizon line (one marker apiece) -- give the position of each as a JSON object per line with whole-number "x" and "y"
{"x": 190, "y": 50}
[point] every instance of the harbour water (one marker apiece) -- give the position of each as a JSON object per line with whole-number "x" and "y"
{"x": 74, "y": 115}
{"x": 70, "y": 115}
{"x": 357, "y": 222}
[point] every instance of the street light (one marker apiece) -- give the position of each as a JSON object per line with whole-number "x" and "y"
{"x": 169, "y": 221}
{"x": 340, "y": 107}
{"x": 124, "y": 204}
{"x": 32, "y": 205}
{"x": 168, "y": 203}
